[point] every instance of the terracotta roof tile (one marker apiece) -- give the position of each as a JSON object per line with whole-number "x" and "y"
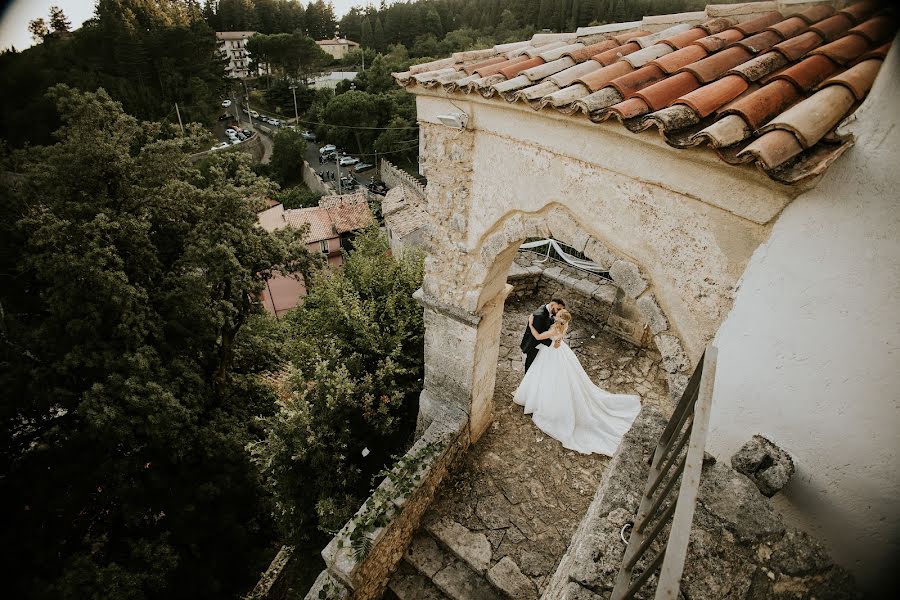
{"x": 860, "y": 11}
{"x": 877, "y": 29}
{"x": 832, "y": 27}
{"x": 708, "y": 99}
{"x": 599, "y": 78}
{"x": 513, "y": 70}
{"x": 680, "y": 58}
{"x": 759, "y": 42}
{"x": 809, "y": 72}
{"x": 759, "y": 23}
{"x": 588, "y": 51}
{"x": 858, "y": 78}
{"x": 681, "y": 40}
{"x": 637, "y": 79}
{"x": 816, "y": 13}
{"x": 760, "y": 106}
{"x": 742, "y": 88}
{"x": 845, "y": 50}
{"x": 608, "y": 57}
{"x": 661, "y": 94}
{"x": 789, "y": 27}
{"x": 711, "y": 67}
{"x": 796, "y": 47}
{"x": 714, "y": 43}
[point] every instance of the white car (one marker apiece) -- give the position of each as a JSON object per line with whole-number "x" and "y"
{"x": 274, "y": 122}
{"x": 254, "y": 114}
{"x": 226, "y": 103}
{"x": 235, "y": 140}
{"x": 219, "y": 146}
{"x": 231, "y": 131}
{"x": 348, "y": 160}
{"x": 327, "y": 149}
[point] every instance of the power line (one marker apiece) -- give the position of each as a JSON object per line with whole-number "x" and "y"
{"x": 353, "y": 126}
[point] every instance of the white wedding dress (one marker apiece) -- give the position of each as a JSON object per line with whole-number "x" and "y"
{"x": 566, "y": 405}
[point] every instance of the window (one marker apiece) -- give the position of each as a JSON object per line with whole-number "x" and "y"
{"x": 323, "y": 246}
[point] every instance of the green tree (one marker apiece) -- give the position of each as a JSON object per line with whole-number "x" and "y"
{"x": 356, "y": 346}
{"x": 287, "y": 154}
{"x": 130, "y": 378}
{"x": 59, "y": 23}
{"x": 38, "y": 29}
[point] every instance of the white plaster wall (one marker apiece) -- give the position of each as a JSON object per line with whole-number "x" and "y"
{"x": 810, "y": 354}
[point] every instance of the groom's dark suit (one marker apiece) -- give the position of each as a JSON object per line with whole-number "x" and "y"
{"x": 543, "y": 320}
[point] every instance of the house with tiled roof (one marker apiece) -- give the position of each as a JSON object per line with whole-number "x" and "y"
{"x": 337, "y": 47}
{"x": 330, "y": 227}
{"x": 734, "y": 172}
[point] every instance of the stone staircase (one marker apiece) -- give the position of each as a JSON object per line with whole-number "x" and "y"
{"x": 447, "y": 561}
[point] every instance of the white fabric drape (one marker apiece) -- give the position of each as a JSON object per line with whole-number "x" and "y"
{"x": 586, "y": 265}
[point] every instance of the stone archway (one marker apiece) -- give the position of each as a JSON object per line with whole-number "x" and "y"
{"x": 462, "y": 340}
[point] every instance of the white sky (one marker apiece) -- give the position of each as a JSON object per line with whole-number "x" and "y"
{"x": 17, "y": 14}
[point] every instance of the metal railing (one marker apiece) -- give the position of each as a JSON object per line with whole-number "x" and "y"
{"x": 687, "y": 427}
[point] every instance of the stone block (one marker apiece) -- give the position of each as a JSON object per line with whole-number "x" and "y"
{"x": 737, "y": 505}
{"x": 677, "y": 382}
{"x": 409, "y": 584}
{"x": 573, "y": 591}
{"x": 767, "y": 465}
{"x": 799, "y": 554}
{"x": 327, "y": 587}
{"x": 674, "y": 358}
{"x": 586, "y": 287}
{"x": 628, "y": 277}
{"x": 507, "y": 577}
{"x": 473, "y": 548}
{"x": 462, "y": 583}
{"x": 426, "y": 556}
{"x": 652, "y": 314}
{"x": 605, "y": 293}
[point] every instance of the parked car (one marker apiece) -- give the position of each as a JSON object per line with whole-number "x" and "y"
{"x": 226, "y": 103}
{"x": 329, "y": 157}
{"x": 224, "y": 117}
{"x": 246, "y": 112}
{"x": 363, "y": 166}
{"x": 254, "y": 114}
{"x": 219, "y": 146}
{"x": 309, "y": 136}
{"x": 243, "y": 135}
{"x": 231, "y": 131}
{"x": 346, "y": 161}
{"x": 327, "y": 149}
{"x": 275, "y": 122}
{"x": 234, "y": 140}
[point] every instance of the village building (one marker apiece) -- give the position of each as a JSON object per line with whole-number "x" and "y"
{"x": 233, "y": 46}
{"x": 733, "y": 171}
{"x": 330, "y": 229}
{"x": 337, "y": 47}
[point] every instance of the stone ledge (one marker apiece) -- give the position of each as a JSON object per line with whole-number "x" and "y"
{"x": 454, "y": 312}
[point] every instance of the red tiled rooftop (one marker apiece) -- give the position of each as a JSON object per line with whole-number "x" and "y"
{"x": 769, "y": 87}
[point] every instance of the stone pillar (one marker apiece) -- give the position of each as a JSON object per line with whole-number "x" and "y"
{"x": 461, "y": 351}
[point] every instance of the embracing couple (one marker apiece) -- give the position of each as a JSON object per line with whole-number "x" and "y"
{"x": 563, "y": 401}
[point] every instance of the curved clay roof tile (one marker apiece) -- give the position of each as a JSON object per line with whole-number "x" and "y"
{"x": 610, "y": 56}
{"x": 571, "y": 75}
{"x": 860, "y": 11}
{"x": 598, "y": 79}
{"x": 636, "y": 80}
{"x": 877, "y": 29}
{"x": 759, "y": 23}
{"x": 633, "y": 107}
{"x": 589, "y": 51}
{"x": 879, "y": 52}
{"x": 709, "y": 68}
{"x": 789, "y": 27}
{"x": 771, "y": 150}
{"x": 662, "y": 93}
{"x": 858, "y": 79}
{"x": 680, "y": 58}
{"x": 809, "y": 73}
{"x": 717, "y": 25}
{"x": 760, "y": 42}
{"x": 713, "y": 43}
{"x": 768, "y": 101}
{"x": 681, "y": 40}
{"x": 709, "y": 98}
{"x": 758, "y": 67}
{"x": 624, "y": 38}
{"x": 845, "y": 50}
{"x": 816, "y": 13}
{"x": 810, "y": 119}
{"x": 495, "y": 68}
{"x": 513, "y": 70}
{"x": 833, "y": 27}
{"x": 469, "y": 69}
{"x": 796, "y": 47}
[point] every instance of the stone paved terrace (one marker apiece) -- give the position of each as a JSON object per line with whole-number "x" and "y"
{"x": 511, "y": 507}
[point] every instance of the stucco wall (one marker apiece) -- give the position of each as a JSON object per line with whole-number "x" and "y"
{"x": 810, "y": 354}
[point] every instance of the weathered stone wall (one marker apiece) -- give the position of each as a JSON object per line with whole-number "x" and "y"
{"x": 393, "y": 176}
{"x": 587, "y": 296}
{"x": 312, "y": 179}
{"x": 274, "y": 583}
{"x": 366, "y": 577}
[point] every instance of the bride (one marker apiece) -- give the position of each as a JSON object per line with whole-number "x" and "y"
{"x": 564, "y": 402}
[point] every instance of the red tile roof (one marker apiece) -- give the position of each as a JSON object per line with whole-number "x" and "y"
{"x": 334, "y": 215}
{"x": 769, "y": 89}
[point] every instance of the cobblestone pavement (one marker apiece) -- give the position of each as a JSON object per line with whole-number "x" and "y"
{"x": 522, "y": 489}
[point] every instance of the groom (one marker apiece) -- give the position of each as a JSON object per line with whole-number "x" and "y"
{"x": 543, "y": 320}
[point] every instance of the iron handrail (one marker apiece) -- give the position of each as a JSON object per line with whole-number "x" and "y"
{"x": 693, "y": 411}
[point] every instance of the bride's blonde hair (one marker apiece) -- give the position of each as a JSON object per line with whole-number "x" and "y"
{"x": 564, "y": 317}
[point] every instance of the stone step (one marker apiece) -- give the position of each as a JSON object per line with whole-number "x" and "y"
{"x": 407, "y": 583}
{"x": 448, "y": 573}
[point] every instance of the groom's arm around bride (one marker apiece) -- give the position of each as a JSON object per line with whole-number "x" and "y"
{"x": 543, "y": 320}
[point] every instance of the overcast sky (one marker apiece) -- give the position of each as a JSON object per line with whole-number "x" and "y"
{"x": 17, "y": 14}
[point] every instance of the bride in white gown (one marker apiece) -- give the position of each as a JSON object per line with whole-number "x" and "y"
{"x": 564, "y": 402}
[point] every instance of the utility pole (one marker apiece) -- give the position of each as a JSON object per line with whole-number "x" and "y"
{"x": 296, "y": 114}
{"x": 249, "y": 112}
{"x": 337, "y": 164}
{"x": 177, "y": 112}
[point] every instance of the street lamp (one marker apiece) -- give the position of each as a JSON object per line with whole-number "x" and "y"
{"x": 296, "y": 115}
